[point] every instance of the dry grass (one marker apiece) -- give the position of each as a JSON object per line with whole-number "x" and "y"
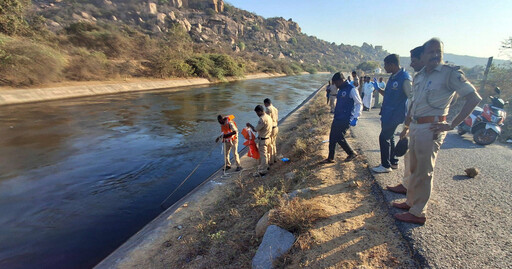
{"x": 297, "y": 215}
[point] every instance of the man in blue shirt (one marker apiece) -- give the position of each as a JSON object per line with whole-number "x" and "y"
{"x": 393, "y": 111}
{"x": 346, "y": 113}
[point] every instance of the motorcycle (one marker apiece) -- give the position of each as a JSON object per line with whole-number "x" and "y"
{"x": 485, "y": 123}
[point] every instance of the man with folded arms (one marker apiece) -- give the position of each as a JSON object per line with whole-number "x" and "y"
{"x": 434, "y": 89}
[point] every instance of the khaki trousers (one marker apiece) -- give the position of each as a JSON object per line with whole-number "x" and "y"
{"x": 264, "y": 149}
{"x": 273, "y": 148}
{"x": 407, "y": 169}
{"x": 423, "y": 151}
{"x": 228, "y": 145}
{"x": 332, "y": 102}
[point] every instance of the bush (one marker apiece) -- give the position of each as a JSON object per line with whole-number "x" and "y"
{"x": 111, "y": 42}
{"x": 215, "y": 66}
{"x": 24, "y": 62}
{"x": 11, "y": 16}
{"x": 297, "y": 215}
{"x": 88, "y": 66}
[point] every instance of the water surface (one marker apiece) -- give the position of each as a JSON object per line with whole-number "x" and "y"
{"x": 79, "y": 176}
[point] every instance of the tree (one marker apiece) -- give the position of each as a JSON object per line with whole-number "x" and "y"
{"x": 368, "y": 66}
{"x": 12, "y": 21}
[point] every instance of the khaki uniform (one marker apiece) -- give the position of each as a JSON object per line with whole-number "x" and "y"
{"x": 433, "y": 93}
{"x": 274, "y": 114}
{"x": 232, "y": 144}
{"x": 264, "y": 129}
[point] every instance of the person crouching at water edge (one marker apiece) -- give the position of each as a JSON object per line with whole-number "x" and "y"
{"x": 346, "y": 113}
{"x": 264, "y": 130}
{"x": 229, "y": 137}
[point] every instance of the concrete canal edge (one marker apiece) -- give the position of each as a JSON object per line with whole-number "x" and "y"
{"x": 137, "y": 245}
{"x": 18, "y": 96}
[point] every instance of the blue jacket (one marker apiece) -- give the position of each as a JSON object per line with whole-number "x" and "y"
{"x": 344, "y": 103}
{"x": 393, "y": 107}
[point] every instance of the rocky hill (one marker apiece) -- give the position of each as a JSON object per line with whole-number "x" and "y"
{"x": 214, "y": 24}
{"x": 45, "y": 41}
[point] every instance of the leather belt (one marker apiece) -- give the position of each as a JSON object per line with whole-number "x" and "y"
{"x": 429, "y": 119}
{"x": 263, "y": 138}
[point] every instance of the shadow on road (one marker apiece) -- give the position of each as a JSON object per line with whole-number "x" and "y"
{"x": 461, "y": 177}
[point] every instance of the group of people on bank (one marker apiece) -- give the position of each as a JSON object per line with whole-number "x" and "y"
{"x": 421, "y": 104}
{"x": 368, "y": 87}
{"x": 266, "y": 130}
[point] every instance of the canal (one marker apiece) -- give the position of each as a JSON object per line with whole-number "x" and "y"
{"x": 79, "y": 176}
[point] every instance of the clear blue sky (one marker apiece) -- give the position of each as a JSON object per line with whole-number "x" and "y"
{"x": 474, "y": 28}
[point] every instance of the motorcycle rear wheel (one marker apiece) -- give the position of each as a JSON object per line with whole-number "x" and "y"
{"x": 485, "y": 136}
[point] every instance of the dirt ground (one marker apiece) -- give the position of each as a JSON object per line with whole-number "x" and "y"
{"x": 218, "y": 230}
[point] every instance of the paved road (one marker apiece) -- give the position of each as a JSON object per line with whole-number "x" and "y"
{"x": 469, "y": 220}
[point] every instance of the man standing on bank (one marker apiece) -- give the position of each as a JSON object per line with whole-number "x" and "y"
{"x": 346, "y": 113}
{"x": 434, "y": 89}
{"x": 393, "y": 111}
{"x": 264, "y": 129}
{"x": 274, "y": 114}
{"x": 229, "y": 137}
{"x": 417, "y": 65}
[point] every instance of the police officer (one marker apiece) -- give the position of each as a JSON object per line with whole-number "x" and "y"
{"x": 434, "y": 88}
{"x": 229, "y": 137}
{"x": 274, "y": 114}
{"x": 264, "y": 129}
{"x": 346, "y": 113}
{"x": 417, "y": 65}
{"x": 393, "y": 111}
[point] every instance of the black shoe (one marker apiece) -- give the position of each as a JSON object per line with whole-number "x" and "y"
{"x": 350, "y": 157}
{"x": 327, "y": 161}
{"x": 239, "y": 168}
{"x": 227, "y": 167}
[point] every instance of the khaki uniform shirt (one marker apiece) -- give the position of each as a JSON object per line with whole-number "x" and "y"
{"x": 273, "y": 113}
{"x": 264, "y": 127}
{"x": 433, "y": 92}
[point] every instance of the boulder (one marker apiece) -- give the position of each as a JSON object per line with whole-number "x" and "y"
{"x": 296, "y": 193}
{"x": 152, "y": 8}
{"x": 289, "y": 175}
{"x": 177, "y": 3}
{"x": 276, "y": 242}
{"x": 161, "y": 18}
{"x": 186, "y": 24}
{"x": 262, "y": 224}
{"x": 172, "y": 16}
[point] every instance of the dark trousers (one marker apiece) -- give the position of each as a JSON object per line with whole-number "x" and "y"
{"x": 387, "y": 145}
{"x": 338, "y": 130}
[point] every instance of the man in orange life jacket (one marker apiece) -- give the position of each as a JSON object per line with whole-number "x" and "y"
{"x": 229, "y": 137}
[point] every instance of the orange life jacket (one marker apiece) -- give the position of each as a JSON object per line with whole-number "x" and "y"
{"x": 250, "y": 142}
{"x": 226, "y": 129}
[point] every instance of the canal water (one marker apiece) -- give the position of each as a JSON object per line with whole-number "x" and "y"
{"x": 78, "y": 177}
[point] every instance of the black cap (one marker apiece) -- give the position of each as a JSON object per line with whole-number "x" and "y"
{"x": 401, "y": 147}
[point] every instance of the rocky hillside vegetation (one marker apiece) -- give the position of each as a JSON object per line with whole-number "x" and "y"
{"x": 54, "y": 40}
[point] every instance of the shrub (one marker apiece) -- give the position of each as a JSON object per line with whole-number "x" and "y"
{"x": 11, "y": 16}
{"x": 267, "y": 198}
{"x": 24, "y": 62}
{"x": 215, "y": 66}
{"x": 167, "y": 64}
{"x": 111, "y": 42}
{"x": 297, "y": 215}
{"x": 88, "y": 66}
